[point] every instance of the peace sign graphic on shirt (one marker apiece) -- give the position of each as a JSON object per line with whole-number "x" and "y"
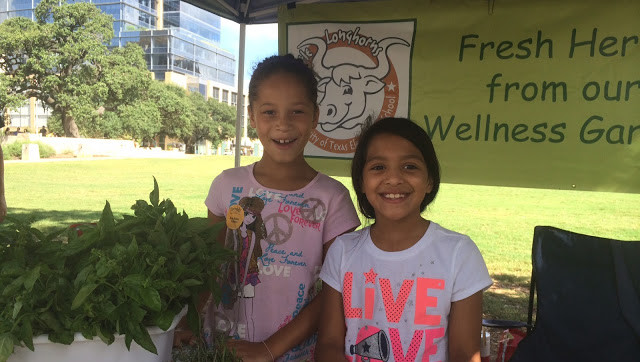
{"x": 313, "y": 210}
{"x": 279, "y": 228}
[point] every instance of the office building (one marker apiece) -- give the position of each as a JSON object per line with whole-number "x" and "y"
{"x": 181, "y": 44}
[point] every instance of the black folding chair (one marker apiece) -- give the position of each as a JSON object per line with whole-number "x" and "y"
{"x": 588, "y": 299}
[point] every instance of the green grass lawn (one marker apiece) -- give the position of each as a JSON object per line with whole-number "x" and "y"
{"x": 499, "y": 219}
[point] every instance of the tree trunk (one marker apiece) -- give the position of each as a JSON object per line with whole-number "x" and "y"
{"x": 189, "y": 148}
{"x": 189, "y": 144}
{"x": 69, "y": 126}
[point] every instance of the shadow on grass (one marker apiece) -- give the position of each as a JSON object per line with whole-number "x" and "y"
{"x": 51, "y": 220}
{"x": 508, "y": 298}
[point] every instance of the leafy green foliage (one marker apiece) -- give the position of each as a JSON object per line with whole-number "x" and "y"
{"x": 251, "y": 132}
{"x": 118, "y": 277}
{"x": 62, "y": 60}
{"x": 187, "y": 116}
{"x": 218, "y": 352}
{"x": 224, "y": 117}
{"x": 14, "y": 150}
{"x": 176, "y": 115}
{"x": 213, "y": 120}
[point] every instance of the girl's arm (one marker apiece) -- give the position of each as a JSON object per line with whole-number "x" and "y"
{"x": 465, "y": 325}
{"x": 332, "y": 330}
{"x": 289, "y": 336}
{"x": 292, "y": 334}
{"x": 214, "y": 219}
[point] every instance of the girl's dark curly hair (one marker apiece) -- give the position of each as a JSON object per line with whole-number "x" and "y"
{"x": 283, "y": 64}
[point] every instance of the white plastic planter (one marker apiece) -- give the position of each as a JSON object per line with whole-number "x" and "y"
{"x": 82, "y": 349}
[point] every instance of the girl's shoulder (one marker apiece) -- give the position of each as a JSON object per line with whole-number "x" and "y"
{"x": 441, "y": 233}
{"x": 450, "y": 241}
{"x": 238, "y": 171}
{"x": 325, "y": 182}
{"x": 243, "y": 173}
{"x": 352, "y": 240}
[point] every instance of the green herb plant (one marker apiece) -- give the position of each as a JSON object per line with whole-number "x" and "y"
{"x": 114, "y": 277}
{"x": 219, "y": 351}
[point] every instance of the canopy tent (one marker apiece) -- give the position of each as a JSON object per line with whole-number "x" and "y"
{"x": 253, "y": 11}
{"x": 523, "y": 94}
{"x": 246, "y": 12}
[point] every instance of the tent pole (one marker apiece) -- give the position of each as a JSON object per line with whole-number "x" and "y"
{"x": 240, "y": 97}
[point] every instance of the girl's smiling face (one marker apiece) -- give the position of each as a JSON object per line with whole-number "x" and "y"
{"x": 284, "y": 117}
{"x": 395, "y": 178}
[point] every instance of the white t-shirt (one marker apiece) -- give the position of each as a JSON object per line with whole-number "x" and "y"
{"x": 396, "y": 304}
{"x": 281, "y": 257}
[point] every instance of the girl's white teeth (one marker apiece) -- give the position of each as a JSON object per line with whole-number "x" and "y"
{"x": 393, "y": 196}
{"x": 284, "y": 141}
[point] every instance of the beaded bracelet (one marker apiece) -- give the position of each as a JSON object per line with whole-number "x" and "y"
{"x": 268, "y": 350}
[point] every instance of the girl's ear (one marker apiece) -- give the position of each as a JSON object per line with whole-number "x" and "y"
{"x": 252, "y": 122}
{"x": 429, "y": 185}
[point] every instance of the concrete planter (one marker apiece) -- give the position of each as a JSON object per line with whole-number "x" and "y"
{"x": 82, "y": 349}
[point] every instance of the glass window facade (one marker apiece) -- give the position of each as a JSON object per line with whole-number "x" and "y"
{"x": 20, "y": 116}
{"x": 188, "y": 44}
{"x": 20, "y": 4}
{"x": 179, "y": 51}
{"x": 24, "y": 13}
{"x": 179, "y": 14}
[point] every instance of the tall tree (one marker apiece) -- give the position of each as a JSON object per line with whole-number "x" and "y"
{"x": 210, "y": 120}
{"x": 62, "y": 60}
{"x": 224, "y": 117}
{"x": 176, "y": 113}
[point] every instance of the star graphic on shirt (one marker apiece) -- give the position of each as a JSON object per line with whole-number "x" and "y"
{"x": 391, "y": 86}
{"x": 370, "y": 276}
{"x": 366, "y": 347}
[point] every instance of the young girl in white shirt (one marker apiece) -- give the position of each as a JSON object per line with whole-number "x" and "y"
{"x": 404, "y": 288}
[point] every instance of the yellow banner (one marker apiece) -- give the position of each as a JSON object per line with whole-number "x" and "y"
{"x": 522, "y": 93}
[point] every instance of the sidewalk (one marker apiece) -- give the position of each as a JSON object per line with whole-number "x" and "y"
{"x": 136, "y": 153}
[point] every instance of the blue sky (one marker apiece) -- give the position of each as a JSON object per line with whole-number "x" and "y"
{"x": 261, "y": 42}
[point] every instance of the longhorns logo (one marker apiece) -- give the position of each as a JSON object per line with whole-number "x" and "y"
{"x": 357, "y": 83}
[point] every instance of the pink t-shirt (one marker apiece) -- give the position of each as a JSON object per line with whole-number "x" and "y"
{"x": 279, "y": 243}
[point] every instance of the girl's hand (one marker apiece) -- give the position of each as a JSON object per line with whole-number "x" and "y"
{"x": 183, "y": 337}
{"x": 250, "y": 351}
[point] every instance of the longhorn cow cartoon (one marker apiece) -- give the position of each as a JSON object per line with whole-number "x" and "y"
{"x": 343, "y": 88}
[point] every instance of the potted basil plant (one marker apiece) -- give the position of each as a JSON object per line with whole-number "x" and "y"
{"x": 114, "y": 282}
